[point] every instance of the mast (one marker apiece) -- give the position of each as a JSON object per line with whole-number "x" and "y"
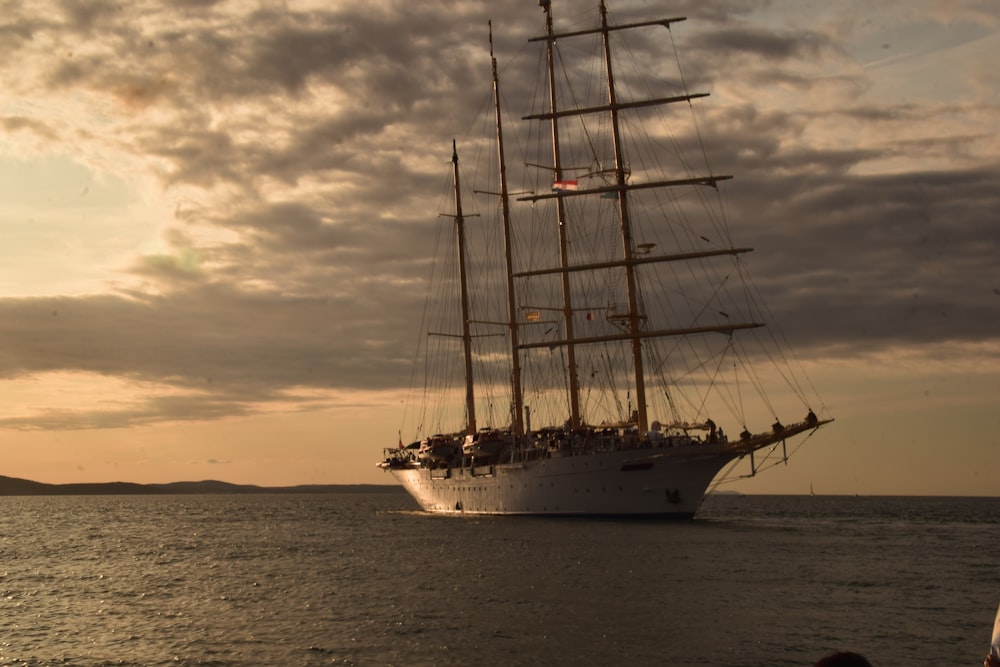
{"x": 634, "y": 332}
{"x": 470, "y": 394}
{"x": 634, "y": 316}
{"x": 517, "y": 407}
{"x": 574, "y": 381}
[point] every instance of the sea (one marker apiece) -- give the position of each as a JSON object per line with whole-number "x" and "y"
{"x": 367, "y": 579}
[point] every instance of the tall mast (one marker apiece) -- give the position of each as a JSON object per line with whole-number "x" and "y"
{"x": 634, "y": 333}
{"x": 470, "y": 394}
{"x": 517, "y": 407}
{"x": 634, "y": 316}
{"x": 574, "y": 382}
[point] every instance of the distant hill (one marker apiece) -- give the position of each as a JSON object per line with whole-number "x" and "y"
{"x": 12, "y": 486}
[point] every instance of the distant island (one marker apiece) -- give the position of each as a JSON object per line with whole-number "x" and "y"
{"x": 12, "y": 486}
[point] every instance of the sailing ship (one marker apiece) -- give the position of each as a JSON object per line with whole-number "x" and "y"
{"x": 607, "y": 313}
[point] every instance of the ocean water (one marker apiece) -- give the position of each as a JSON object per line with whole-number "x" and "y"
{"x": 367, "y": 580}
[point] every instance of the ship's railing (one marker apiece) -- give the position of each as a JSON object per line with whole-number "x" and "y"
{"x": 398, "y": 458}
{"x": 551, "y": 442}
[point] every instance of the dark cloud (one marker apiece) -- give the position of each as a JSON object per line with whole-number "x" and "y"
{"x": 240, "y": 348}
{"x": 23, "y": 124}
{"x": 15, "y": 34}
{"x": 873, "y": 262}
{"x": 768, "y": 45}
{"x": 87, "y": 15}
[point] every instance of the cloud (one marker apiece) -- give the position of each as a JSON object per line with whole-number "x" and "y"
{"x": 13, "y": 124}
{"x": 768, "y": 45}
{"x": 308, "y": 147}
{"x": 877, "y": 261}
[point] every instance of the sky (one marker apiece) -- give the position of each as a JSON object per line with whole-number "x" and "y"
{"x": 214, "y": 219}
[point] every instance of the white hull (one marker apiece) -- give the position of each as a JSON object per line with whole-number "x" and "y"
{"x": 666, "y": 481}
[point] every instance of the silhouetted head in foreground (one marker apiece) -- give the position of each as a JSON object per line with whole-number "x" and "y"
{"x": 844, "y": 659}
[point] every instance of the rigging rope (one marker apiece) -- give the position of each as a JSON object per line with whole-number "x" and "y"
{"x": 724, "y": 477}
